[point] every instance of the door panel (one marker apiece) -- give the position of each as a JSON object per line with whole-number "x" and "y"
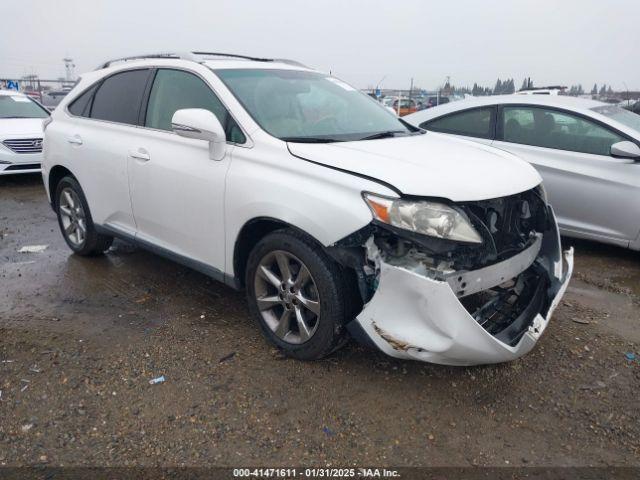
{"x": 592, "y": 195}
{"x": 177, "y": 190}
{"x": 101, "y": 165}
{"x": 177, "y": 193}
{"x": 104, "y": 122}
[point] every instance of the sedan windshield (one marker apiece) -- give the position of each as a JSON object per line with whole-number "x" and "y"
{"x": 301, "y": 106}
{"x": 625, "y": 117}
{"x": 20, "y": 106}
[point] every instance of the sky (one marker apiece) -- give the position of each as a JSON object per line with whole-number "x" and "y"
{"x": 366, "y": 43}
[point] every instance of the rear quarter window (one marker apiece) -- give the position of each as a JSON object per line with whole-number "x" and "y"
{"x": 81, "y": 105}
{"x": 119, "y": 97}
{"x": 477, "y": 122}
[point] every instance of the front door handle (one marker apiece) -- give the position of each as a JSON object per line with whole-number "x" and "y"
{"x": 75, "y": 140}
{"x": 140, "y": 154}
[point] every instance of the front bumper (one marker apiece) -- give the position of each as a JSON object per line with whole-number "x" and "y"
{"x": 12, "y": 163}
{"x": 415, "y": 317}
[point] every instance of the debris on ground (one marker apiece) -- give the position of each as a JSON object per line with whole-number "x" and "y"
{"x": 328, "y": 431}
{"x": 597, "y": 386}
{"x": 35, "y": 369}
{"x": 580, "y": 320}
{"x": 26, "y": 427}
{"x": 227, "y": 357}
{"x": 33, "y": 249}
{"x": 630, "y": 356}
{"x": 159, "y": 379}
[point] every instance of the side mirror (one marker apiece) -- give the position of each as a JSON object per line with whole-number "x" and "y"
{"x": 625, "y": 149}
{"x": 201, "y": 124}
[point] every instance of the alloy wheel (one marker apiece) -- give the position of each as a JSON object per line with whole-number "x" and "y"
{"x": 72, "y": 215}
{"x": 287, "y": 297}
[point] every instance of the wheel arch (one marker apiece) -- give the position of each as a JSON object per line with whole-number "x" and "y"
{"x": 57, "y": 173}
{"x": 250, "y": 234}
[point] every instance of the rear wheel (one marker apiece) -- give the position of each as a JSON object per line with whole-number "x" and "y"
{"x": 295, "y": 293}
{"x": 74, "y": 219}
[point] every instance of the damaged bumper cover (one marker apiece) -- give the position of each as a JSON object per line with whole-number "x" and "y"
{"x": 413, "y": 315}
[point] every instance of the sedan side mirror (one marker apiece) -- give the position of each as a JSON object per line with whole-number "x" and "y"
{"x": 625, "y": 149}
{"x": 201, "y": 124}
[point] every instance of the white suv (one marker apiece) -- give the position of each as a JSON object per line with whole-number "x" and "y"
{"x": 21, "y": 120}
{"x": 336, "y": 216}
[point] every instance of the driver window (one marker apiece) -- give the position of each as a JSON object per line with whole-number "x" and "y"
{"x": 174, "y": 90}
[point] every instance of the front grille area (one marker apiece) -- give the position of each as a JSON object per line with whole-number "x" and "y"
{"x": 22, "y": 166}
{"x": 506, "y": 224}
{"x": 24, "y": 145}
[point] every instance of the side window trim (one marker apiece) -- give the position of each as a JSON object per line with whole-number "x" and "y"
{"x": 142, "y": 113}
{"x": 145, "y": 101}
{"x": 492, "y": 125}
{"x": 587, "y": 118}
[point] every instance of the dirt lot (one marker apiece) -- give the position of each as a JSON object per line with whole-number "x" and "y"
{"x": 81, "y": 338}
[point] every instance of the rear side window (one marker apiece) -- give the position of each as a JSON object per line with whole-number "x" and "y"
{"x": 81, "y": 105}
{"x": 473, "y": 123}
{"x": 118, "y": 98}
{"x": 548, "y": 128}
{"x": 174, "y": 90}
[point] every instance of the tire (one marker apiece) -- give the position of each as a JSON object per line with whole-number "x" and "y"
{"x": 324, "y": 285}
{"x": 74, "y": 219}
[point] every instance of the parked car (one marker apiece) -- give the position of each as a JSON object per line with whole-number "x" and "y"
{"x": 587, "y": 152}
{"x": 20, "y": 133}
{"x": 51, "y": 98}
{"x": 436, "y": 100}
{"x": 335, "y": 216}
{"x": 552, "y": 90}
{"x": 634, "y": 107}
{"x": 407, "y": 106}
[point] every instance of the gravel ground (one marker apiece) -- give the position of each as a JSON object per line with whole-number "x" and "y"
{"x": 81, "y": 338}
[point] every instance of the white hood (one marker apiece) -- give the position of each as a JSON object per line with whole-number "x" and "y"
{"x": 430, "y": 165}
{"x": 19, "y": 127}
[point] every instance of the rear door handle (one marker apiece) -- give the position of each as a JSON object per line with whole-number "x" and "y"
{"x": 140, "y": 154}
{"x": 75, "y": 140}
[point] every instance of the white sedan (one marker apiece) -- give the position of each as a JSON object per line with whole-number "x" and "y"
{"x": 587, "y": 152}
{"x": 20, "y": 133}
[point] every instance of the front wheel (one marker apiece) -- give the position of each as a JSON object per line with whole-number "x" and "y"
{"x": 74, "y": 219}
{"x": 295, "y": 292}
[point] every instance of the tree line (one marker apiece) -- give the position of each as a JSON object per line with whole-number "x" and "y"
{"x": 505, "y": 87}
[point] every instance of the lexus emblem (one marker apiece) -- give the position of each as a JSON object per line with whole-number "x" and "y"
{"x": 37, "y": 143}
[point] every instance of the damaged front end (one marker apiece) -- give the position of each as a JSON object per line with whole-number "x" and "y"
{"x": 460, "y": 302}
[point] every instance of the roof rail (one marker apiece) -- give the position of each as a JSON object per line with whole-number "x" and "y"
{"x": 192, "y": 56}
{"x": 141, "y": 57}
{"x": 232, "y": 55}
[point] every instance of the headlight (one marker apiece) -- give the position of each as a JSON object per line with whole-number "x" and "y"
{"x": 428, "y": 218}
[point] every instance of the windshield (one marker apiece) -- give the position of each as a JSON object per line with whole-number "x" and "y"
{"x": 302, "y": 106}
{"x": 19, "y": 106}
{"x": 627, "y": 118}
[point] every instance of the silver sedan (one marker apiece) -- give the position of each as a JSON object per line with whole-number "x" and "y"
{"x": 587, "y": 152}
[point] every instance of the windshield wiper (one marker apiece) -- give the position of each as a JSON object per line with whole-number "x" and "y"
{"x": 309, "y": 139}
{"x": 387, "y": 134}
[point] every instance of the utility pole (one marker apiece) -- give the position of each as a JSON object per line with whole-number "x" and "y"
{"x": 69, "y": 67}
{"x": 410, "y": 91}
